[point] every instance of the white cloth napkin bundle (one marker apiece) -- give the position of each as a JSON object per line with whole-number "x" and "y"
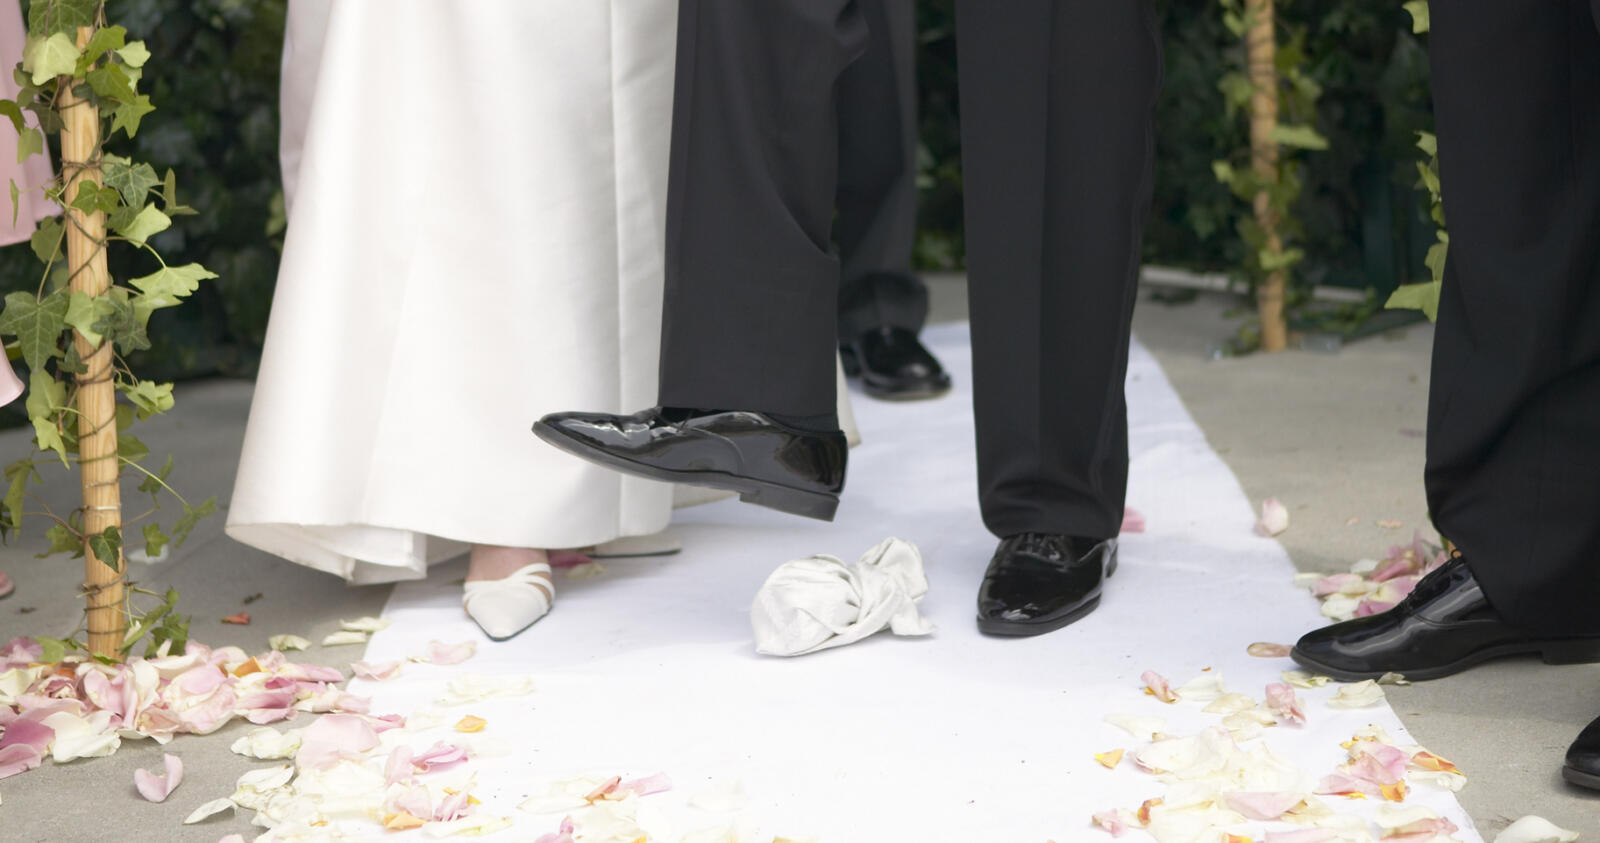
{"x": 813, "y": 604}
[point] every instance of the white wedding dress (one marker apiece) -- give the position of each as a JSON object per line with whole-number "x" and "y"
{"x": 476, "y": 195}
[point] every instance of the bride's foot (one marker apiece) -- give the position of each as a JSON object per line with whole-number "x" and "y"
{"x": 508, "y": 588}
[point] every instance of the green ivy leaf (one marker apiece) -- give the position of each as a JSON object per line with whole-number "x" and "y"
{"x": 126, "y": 326}
{"x": 1423, "y": 297}
{"x": 191, "y": 516}
{"x": 46, "y": 240}
{"x": 153, "y": 485}
{"x": 154, "y": 540}
{"x": 37, "y": 325}
{"x": 16, "y": 202}
{"x": 62, "y": 540}
{"x": 1428, "y": 143}
{"x": 46, "y": 395}
{"x": 167, "y": 286}
{"x": 146, "y": 224}
{"x": 46, "y": 17}
{"x": 1419, "y": 15}
{"x": 17, "y": 476}
{"x": 84, "y": 312}
{"x": 92, "y": 197}
{"x": 111, "y": 82}
{"x": 1274, "y": 261}
{"x": 130, "y": 448}
{"x": 135, "y": 54}
{"x": 55, "y": 649}
{"x": 104, "y": 40}
{"x": 47, "y": 58}
{"x": 10, "y": 109}
{"x": 29, "y": 142}
{"x": 149, "y": 398}
{"x": 132, "y": 181}
{"x": 107, "y": 547}
{"x": 129, "y": 113}
{"x": 1299, "y": 137}
{"x": 1437, "y": 254}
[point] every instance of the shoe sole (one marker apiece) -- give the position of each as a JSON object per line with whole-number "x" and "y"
{"x": 1580, "y": 778}
{"x": 1586, "y": 651}
{"x": 818, "y": 505}
{"x": 1023, "y": 629}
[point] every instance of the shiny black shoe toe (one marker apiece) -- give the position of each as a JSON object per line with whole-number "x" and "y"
{"x": 894, "y": 365}
{"x": 1583, "y": 758}
{"x": 1038, "y": 582}
{"x": 1444, "y": 626}
{"x": 768, "y": 463}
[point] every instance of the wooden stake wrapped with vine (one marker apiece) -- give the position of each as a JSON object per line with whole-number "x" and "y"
{"x": 1269, "y": 86}
{"x": 77, "y": 75}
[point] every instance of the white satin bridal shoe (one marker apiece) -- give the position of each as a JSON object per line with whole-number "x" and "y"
{"x": 507, "y": 606}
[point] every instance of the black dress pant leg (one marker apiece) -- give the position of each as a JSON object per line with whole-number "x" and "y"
{"x": 877, "y": 197}
{"x": 1057, "y": 118}
{"x": 751, "y": 296}
{"x": 1513, "y": 469}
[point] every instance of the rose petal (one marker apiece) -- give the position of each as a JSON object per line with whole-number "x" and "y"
{"x": 476, "y": 688}
{"x": 1109, "y": 760}
{"x": 368, "y": 625}
{"x": 1117, "y": 822}
{"x": 658, "y": 783}
{"x": 1274, "y": 518}
{"x": 471, "y": 724}
{"x": 1358, "y": 695}
{"x": 1533, "y": 829}
{"x": 19, "y": 758}
{"x": 344, "y": 637}
{"x": 376, "y": 672}
{"x": 442, "y": 653}
{"x": 157, "y": 788}
{"x": 215, "y": 806}
{"x": 241, "y": 619}
{"x": 1207, "y": 687}
{"x": 1264, "y": 650}
{"x": 1282, "y": 700}
{"x": 1157, "y": 686}
{"x": 1132, "y": 520}
{"x": 6, "y": 586}
{"x": 1143, "y": 728}
{"x": 1262, "y": 806}
{"x": 332, "y": 737}
{"x": 1304, "y": 679}
{"x": 288, "y": 642}
{"x": 267, "y": 743}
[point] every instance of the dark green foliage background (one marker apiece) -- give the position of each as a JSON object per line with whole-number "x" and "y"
{"x": 214, "y": 80}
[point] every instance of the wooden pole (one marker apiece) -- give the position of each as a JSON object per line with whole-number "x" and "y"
{"x": 97, "y": 425}
{"x": 1261, "y": 42}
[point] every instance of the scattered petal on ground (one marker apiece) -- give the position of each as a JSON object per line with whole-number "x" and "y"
{"x": 376, "y": 672}
{"x": 1109, "y": 759}
{"x": 1282, "y": 700}
{"x": 441, "y": 653}
{"x": 1274, "y": 518}
{"x": 6, "y": 586}
{"x": 1358, "y": 695}
{"x": 1143, "y": 728}
{"x": 1535, "y": 830}
{"x": 240, "y": 619}
{"x": 475, "y": 688}
{"x": 288, "y": 642}
{"x": 344, "y": 637}
{"x": 1132, "y": 520}
{"x": 157, "y": 788}
{"x": 215, "y": 806}
{"x": 1264, "y": 650}
{"x": 368, "y": 625}
{"x": 1157, "y": 686}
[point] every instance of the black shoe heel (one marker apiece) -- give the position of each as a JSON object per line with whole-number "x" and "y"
{"x": 1585, "y": 651}
{"x": 793, "y": 501}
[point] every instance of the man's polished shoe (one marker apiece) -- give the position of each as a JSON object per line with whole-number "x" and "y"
{"x": 767, "y": 463}
{"x": 1583, "y": 758}
{"x": 893, "y": 364}
{"x": 1445, "y": 625}
{"x": 1038, "y": 582}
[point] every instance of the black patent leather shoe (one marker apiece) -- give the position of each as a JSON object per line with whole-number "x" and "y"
{"x": 1444, "y": 626}
{"x": 894, "y": 365}
{"x": 767, "y": 463}
{"x": 1038, "y": 582}
{"x": 1583, "y": 758}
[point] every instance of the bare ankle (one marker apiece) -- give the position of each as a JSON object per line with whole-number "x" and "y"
{"x": 493, "y": 562}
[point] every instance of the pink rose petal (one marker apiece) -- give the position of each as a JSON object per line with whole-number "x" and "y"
{"x": 560, "y": 559}
{"x": 560, "y": 835}
{"x": 1372, "y": 607}
{"x": 657, "y": 783}
{"x": 1274, "y": 518}
{"x": 452, "y": 807}
{"x": 333, "y": 737}
{"x": 1340, "y": 784}
{"x": 1376, "y": 762}
{"x": 440, "y": 756}
{"x": 157, "y": 788}
{"x": 1421, "y": 831}
{"x": 1112, "y": 822}
{"x": 376, "y": 672}
{"x": 19, "y": 758}
{"x": 6, "y": 586}
{"x": 1282, "y": 700}
{"x": 19, "y": 652}
{"x": 442, "y": 653}
{"x": 1132, "y": 520}
{"x": 1266, "y": 650}
{"x": 399, "y": 767}
{"x": 414, "y": 801}
{"x": 1262, "y": 806}
{"x": 1157, "y": 686}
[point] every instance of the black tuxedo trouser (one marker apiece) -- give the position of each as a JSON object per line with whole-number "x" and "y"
{"x": 1513, "y": 471}
{"x": 1058, "y": 100}
{"x": 876, "y": 226}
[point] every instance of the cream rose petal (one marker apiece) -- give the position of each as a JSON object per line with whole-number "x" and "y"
{"x": 344, "y": 637}
{"x": 82, "y": 737}
{"x": 476, "y": 825}
{"x": 267, "y": 743}
{"x": 376, "y": 671}
{"x": 368, "y": 625}
{"x": 1533, "y": 829}
{"x": 441, "y": 653}
{"x": 1143, "y": 728}
{"x": 1358, "y": 695}
{"x": 212, "y": 808}
{"x": 1305, "y": 679}
{"x": 288, "y": 642}
{"x": 1274, "y": 518}
{"x": 1206, "y": 687}
{"x": 477, "y": 688}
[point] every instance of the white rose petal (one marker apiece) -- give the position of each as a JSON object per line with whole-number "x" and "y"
{"x": 1203, "y": 688}
{"x": 476, "y": 825}
{"x": 288, "y": 642}
{"x": 343, "y": 637}
{"x": 1535, "y": 830}
{"x": 1274, "y": 518}
{"x": 1143, "y": 728}
{"x": 267, "y": 743}
{"x": 1305, "y": 679}
{"x": 215, "y": 806}
{"x": 1358, "y": 695}
{"x": 82, "y": 737}
{"x": 475, "y": 687}
{"x": 368, "y": 625}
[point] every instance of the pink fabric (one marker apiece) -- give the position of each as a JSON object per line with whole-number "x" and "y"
{"x": 32, "y": 175}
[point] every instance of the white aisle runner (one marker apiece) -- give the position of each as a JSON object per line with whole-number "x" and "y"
{"x": 650, "y": 667}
